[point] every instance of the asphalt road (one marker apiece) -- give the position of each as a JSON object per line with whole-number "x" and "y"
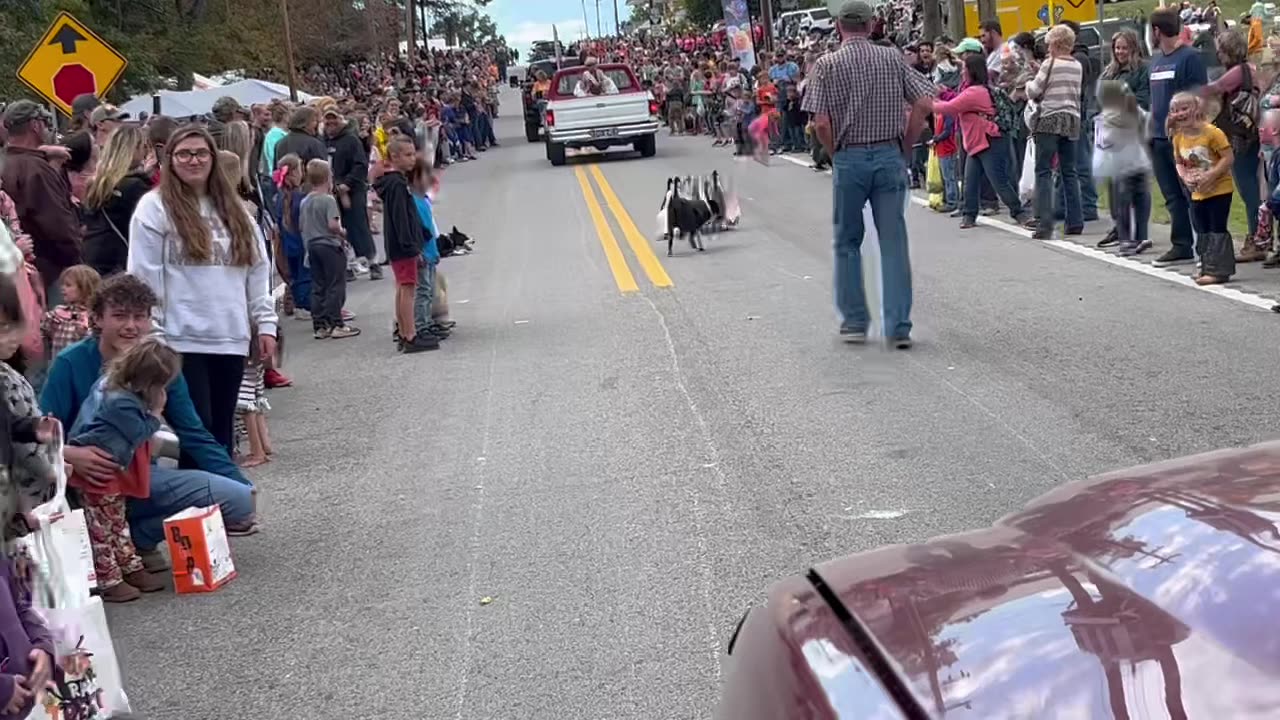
{"x": 623, "y": 473}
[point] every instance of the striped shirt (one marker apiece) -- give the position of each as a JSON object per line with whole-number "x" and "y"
{"x": 1057, "y": 87}
{"x": 865, "y": 89}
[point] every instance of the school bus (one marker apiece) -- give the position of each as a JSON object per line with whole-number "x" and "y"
{"x": 1016, "y": 16}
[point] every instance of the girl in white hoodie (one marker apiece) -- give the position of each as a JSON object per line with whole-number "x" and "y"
{"x": 195, "y": 244}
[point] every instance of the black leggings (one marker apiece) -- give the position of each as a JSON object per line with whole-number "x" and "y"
{"x": 1211, "y": 213}
{"x": 214, "y": 384}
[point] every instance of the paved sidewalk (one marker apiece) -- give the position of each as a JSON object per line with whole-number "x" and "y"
{"x": 1250, "y": 278}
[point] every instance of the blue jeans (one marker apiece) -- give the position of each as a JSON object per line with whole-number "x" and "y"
{"x": 173, "y": 491}
{"x": 1176, "y": 198}
{"x": 299, "y": 280}
{"x": 875, "y": 174}
{"x": 1048, "y": 145}
{"x": 950, "y": 181}
{"x": 1244, "y": 170}
{"x": 1084, "y": 173}
{"x": 993, "y": 164}
{"x": 423, "y": 293}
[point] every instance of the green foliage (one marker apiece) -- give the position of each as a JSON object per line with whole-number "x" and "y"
{"x": 166, "y": 41}
{"x": 465, "y": 28}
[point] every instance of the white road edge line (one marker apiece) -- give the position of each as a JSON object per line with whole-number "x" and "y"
{"x": 1173, "y": 276}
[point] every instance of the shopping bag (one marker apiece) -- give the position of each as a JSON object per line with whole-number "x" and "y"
{"x": 933, "y": 181}
{"x": 1027, "y": 182}
{"x": 87, "y": 680}
{"x": 197, "y": 540}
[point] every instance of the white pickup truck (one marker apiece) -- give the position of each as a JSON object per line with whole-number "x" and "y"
{"x": 627, "y": 117}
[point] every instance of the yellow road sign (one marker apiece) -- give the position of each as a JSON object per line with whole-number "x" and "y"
{"x": 70, "y": 60}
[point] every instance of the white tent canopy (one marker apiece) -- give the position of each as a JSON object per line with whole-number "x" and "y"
{"x": 200, "y": 102}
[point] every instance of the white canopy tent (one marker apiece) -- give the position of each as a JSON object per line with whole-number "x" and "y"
{"x": 200, "y": 102}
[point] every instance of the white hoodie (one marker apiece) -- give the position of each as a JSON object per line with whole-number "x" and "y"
{"x": 204, "y": 307}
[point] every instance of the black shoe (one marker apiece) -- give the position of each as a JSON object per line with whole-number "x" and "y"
{"x": 375, "y": 272}
{"x": 1112, "y": 238}
{"x": 421, "y": 343}
{"x": 351, "y": 275}
{"x": 852, "y": 336}
{"x": 1075, "y": 230}
{"x": 901, "y": 343}
{"x": 1173, "y": 257}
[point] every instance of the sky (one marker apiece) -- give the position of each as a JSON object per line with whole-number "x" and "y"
{"x": 523, "y": 21}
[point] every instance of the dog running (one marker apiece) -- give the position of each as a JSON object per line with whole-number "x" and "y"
{"x": 689, "y": 206}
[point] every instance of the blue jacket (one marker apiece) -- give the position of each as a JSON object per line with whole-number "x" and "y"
{"x": 430, "y": 249}
{"x": 116, "y": 421}
{"x": 290, "y": 240}
{"x": 72, "y": 377}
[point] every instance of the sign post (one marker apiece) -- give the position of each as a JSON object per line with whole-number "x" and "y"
{"x": 71, "y": 60}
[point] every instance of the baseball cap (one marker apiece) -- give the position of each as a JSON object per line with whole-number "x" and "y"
{"x": 107, "y": 113}
{"x": 967, "y": 45}
{"x": 84, "y": 103}
{"x": 21, "y": 112}
{"x": 852, "y": 11}
{"x": 225, "y": 108}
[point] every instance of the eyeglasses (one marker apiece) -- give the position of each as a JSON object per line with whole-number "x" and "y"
{"x": 192, "y": 156}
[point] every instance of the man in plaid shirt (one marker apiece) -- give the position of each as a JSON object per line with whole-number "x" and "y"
{"x": 859, "y": 97}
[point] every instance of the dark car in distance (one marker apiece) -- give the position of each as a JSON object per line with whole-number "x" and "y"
{"x": 1145, "y": 593}
{"x": 534, "y": 106}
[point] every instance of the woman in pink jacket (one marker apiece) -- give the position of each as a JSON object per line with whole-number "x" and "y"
{"x": 988, "y": 151}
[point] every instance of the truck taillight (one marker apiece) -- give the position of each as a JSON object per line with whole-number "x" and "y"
{"x": 653, "y": 107}
{"x": 551, "y": 118}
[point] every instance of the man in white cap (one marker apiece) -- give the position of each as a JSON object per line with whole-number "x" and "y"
{"x": 859, "y": 97}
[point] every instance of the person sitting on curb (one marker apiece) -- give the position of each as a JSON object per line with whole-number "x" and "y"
{"x": 121, "y": 314}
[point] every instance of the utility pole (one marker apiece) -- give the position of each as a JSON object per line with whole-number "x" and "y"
{"x": 411, "y": 20}
{"x": 987, "y": 11}
{"x": 599, "y": 27}
{"x": 288, "y": 51}
{"x": 955, "y": 19}
{"x": 586, "y": 24}
{"x": 766, "y": 19}
{"x": 932, "y": 19}
{"x": 617, "y": 24}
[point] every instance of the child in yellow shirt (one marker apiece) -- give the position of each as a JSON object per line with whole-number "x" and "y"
{"x": 1203, "y": 156}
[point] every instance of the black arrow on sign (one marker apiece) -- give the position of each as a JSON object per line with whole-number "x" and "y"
{"x": 67, "y": 37}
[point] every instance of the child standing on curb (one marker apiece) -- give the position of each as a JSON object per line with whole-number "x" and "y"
{"x": 320, "y": 227}
{"x": 1203, "y": 156}
{"x": 402, "y": 232}
{"x": 1120, "y": 155}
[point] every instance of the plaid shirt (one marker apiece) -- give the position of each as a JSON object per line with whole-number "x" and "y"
{"x": 63, "y": 326}
{"x": 865, "y": 89}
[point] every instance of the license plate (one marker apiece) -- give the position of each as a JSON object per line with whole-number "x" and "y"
{"x": 606, "y": 132}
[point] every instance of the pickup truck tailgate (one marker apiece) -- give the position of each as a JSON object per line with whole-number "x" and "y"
{"x": 601, "y": 111}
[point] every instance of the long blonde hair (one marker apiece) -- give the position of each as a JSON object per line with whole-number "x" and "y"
{"x": 118, "y": 159}
{"x": 1197, "y": 118}
{"x": 183, "y": 206}
{"x": 238, "y": 138}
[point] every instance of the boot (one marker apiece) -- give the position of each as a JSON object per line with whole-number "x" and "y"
{"x": 121, "y": 593}
{"x": 144, "y": 581}
{"x": 154, "y": 561}
{"x": 1250, "y": 253}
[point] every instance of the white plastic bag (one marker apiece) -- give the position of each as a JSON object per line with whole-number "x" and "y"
{"x": 90, "y": 684}
{"x": 59, "y": 546}
{"x": 1027, "y": 182}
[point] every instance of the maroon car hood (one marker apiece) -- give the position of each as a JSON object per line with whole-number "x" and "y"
{"x": 1146, "y": 593}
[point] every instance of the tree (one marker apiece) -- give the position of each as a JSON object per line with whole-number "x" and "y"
{"x": 465, "y": 28}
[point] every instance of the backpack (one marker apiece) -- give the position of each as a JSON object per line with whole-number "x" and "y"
{"x": 1006, "y": 117}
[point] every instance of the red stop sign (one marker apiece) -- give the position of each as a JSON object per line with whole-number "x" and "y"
{"x": 73, "y": 80}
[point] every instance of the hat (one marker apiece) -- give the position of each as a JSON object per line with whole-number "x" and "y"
{"x": 107, "y": 113}
{"x": 851, "y": 11}
{"x": 21, "y": 112}
{"x": 332, "y": 111}
{"x": 84, "y": 103}
{"x": 967, "y": 45}
{"x": 225, "y": 108}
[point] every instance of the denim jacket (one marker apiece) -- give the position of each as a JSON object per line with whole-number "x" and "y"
{"x": 116, "y": 421}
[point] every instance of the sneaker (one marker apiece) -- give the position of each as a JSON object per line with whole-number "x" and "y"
{"x": 375, "y": 272}
{"x": 1074, "y": 230}
{"x": 956, "y": 213}
{"x": 1173, "y": 257}
{"x": 901, "y": 343}
{"x": 1143, "y": 246}
{"x": 351, "y": 275}
{"x": 422, "y": 343}
{"x": 144, "y": 581}
{"x": 344, "y": 331}
{"x": 120, "y": 593}
{"x": 322, "y": 333}
{"x": 1111, "y": 238}
{"x": 852, "y": 336}
{"x": 301, "y": 314}
{"x": 990, "y": 211}
{"x": 1128, "y": 250}
{"x": 347, "y": 315}
{"x": 273, "y": 378}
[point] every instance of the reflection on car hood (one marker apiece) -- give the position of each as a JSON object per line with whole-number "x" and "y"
{"x": 1146, "y": 593}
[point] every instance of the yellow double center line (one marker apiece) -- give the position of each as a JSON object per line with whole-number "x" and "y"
{"x": 640, "y": 246}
